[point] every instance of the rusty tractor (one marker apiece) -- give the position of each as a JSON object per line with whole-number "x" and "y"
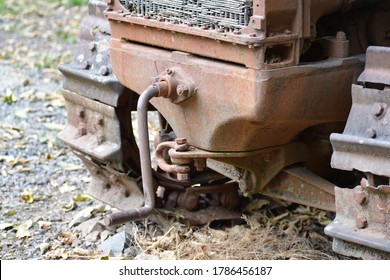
{"x": 283, "y": 98}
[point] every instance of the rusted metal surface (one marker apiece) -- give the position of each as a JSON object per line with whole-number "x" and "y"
{"x": 268, "y": 37}
{"x": 267, "y": 107}
{"x": 252, "y": 170}
{"x": 362, "y": 223}
{"x": 112, "y": 187}
{"x": 297, "y": 184}
{"x": 365, "y": 142}
{"x": 243, "y": 92}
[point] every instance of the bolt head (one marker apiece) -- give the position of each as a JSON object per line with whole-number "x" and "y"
{"x": 92, "y": 46}
{"x": 82, "y": 130}
{"x": 181, "y": 141}
{"x": 341, "y": 36}
{"x": 100, "y": 138}
{"x": 360, "y": 197}
{"x": 379, "y": 109}
{"x": 361, "y": 221}
{"x": 183, "y": 176}
{"x": 80, "y": 112}
{"x": 85, "y": 64}
{"x": 182, "y": 90}
{"x": 370, "y": 133}
{"x": 104, "y": 71}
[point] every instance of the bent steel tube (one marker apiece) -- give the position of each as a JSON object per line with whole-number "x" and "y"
{"x": 154, "y": 90}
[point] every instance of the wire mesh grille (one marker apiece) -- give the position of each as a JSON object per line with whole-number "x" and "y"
{"x": 227, "y": 14}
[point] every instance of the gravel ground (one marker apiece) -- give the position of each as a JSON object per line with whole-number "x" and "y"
{"x": 44, "y": 211}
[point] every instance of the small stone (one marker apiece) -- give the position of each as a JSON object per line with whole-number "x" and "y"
{"x": 89, "y": 226}
{"x": 131, "y": 252}
{"x": 43, "y": 247}
{"x": 115, "y": 245}
{"x": 44, "y": 224}
{"x": 93, "y": 236}
{"x": 80, "y": 251}
{"x": 105, "y": 234}
{"x": 146, "y": 257}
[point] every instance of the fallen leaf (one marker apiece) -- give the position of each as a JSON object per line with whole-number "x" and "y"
{"x": 69, "y": 207}
{"x": 54, "y": 126}
{"x": 27, "y": 196}
{"x": 80, "y": 251}
{"x": 22, "y": 230}
{"x": 82, "y": 197}
{"x": 22, "y": 114}
{"x": 10, "y": 213}
{"x": 6, "y": 226}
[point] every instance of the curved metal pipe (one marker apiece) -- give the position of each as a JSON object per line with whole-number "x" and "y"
{"x": 155, "y": 90}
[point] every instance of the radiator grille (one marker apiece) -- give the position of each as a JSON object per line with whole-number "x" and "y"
{"x": 227, "y": 14}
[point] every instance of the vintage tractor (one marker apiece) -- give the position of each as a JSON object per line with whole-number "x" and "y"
{"x": 253, "y": 98}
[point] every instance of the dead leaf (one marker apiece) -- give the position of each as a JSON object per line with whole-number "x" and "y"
{"x": 10, "y": 213}
{"x": 6, "y": 226}
{"x": 22, "y": 114}
{"x": 80, "y": 251}
{"x": 22, "y": 230}
{"x": 27, "y": 196}
{"x": 82, "y": 197}
{"x": 54, "y": 126}
{"x": 69, "y": 207}
{"x": 256, "y": 205}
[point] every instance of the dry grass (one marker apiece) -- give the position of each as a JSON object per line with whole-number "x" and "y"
{"x": 262, "y": 235}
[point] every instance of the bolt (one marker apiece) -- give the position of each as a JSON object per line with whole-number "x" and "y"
{"x": 95, "y": 170}
{"x": 104, "y": 71}
{"x": 205, "y": 27}
{"x": 236, "y": 32}
{"x": 92, "y": 46}
{"x": 360, "y": 196}
{"x": 340, "y": 36}
{"x": 114, "y": 179}
{"x": 183, "y": 176}
{"x": 82, "y": 130}
{"x": 182, "y": 90}
{"x": 370, "y": 133}
{"x": 379, "y": 109}
{"x": 200, "y": 164}
{"x": 107, "y": 185}
{"x": 253, "y": 35}
{"x": 181, "y": 141}
{"x": 361, "y": 221}
{"x": 169, "y": 71}
{"x": 99, "y": 119}
{"x": 221, "y": 30}
{"x": 100, "y": 137}
{"x": 160, "y": 19}
{"x": 146, "y": 17}
{"x": 80, "y": 112}
{"x": 85, "y": 64}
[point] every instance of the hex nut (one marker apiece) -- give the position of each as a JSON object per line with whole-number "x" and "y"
{"x": 183, "y": 176}
{"x": 360, "y": 197}
{"x": 104, "y": 70}
{"x": 370, "y": 133}
{"x": 361, "y": 221}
